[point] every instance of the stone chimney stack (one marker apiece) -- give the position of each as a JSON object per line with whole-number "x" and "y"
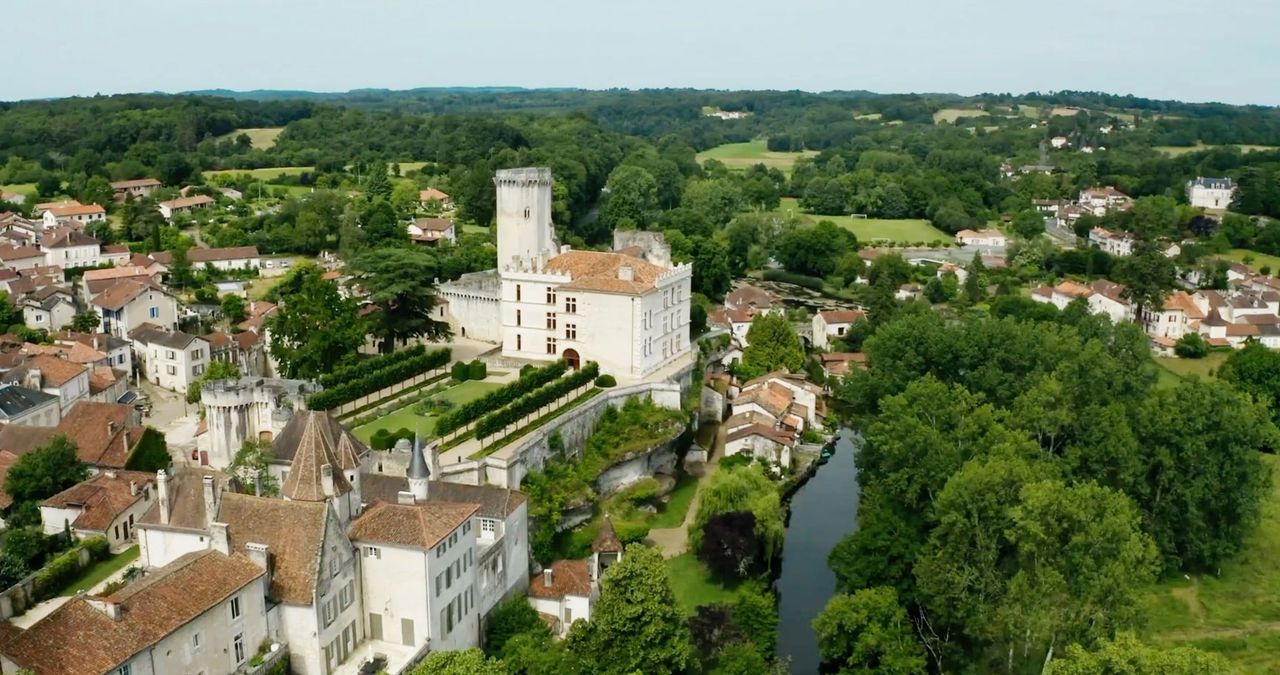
{"x": 326, "y": 479}
{"x": 162, "y": 489}
{"x": 404, "y": 497}
{"x": 627, "y": 273}
{"x": 221, "y": 539}
{"x": 133, "y": 488}
{"x": 546, "y": 577}
{"x": 33, "y": 379}
{"x": 260, "y": 554}
{"x": 210, "y": 500}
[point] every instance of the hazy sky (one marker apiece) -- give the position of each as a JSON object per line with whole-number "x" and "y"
{"x": 1225, "y": 50}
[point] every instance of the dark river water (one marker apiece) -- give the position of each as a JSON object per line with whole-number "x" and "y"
{"x": 823, "y": 511}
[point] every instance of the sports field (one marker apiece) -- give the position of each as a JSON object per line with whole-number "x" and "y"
{"x": 871, "y": 230}
{"x": 744, "y": 155}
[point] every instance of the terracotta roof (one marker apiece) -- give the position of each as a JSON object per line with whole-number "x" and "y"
{"x": 123, "y": 292}
{"x": 75, "y": 352}
{"x": 103, "y": 378}
{"x": 315, "y": 450}
{"x": 198, "y": 256}
{"x": 137, "y": 182}
{"x": 568, "y": 577}
{"x": 1181, "y": 301}
{"x": 54, "y": 372}
{"x": 434, "y": 224}
{"x": 494, "y": 502}
{"x": 607, "y": 541}
{"x": 747, "y": 295}
{"x": 76, "y": 210}
{"x": 293, "y": 532}
{"x": 101, "y": 432}
{"x": 20, "y": 252}
{"x": 1241, "y": 330}
{"x": 987, "y": 232}
{"x": 187, "y": 202}
{"x": 842, "y": 315}
{"x": 186, "y": 499}
{"x": 414, "y": 525}
{"x": 124, "y": 271}
{"x": 103, "y": 497}
{"x": 45, "y": 206}
{"x": 839, "y": 363}
{"x": 1072, "y": 289}
{"x": 1164, "y": 341}
{"x": 772, "y": 400}
{"x": 285, "y": 445}
{"x": 779, "y": 436}
{"x": 600, "y": 271}
{"x": 432, "y": 194}
{"x": 1109, "y": 290}
{"x": 80, "y": 639}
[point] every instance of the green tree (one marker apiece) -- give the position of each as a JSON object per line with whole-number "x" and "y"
{"x": 45, "y": 471}
{"x": 150, "y": 454}
{"x": 631, "y": 196}
{"x": 1255, "y": 370}
{"x": 316, "y": 327}
{"x": 233, "y": 307}
{"x": 85, "y": 322}
{"x": 737, "y": 489}
{"x": 380, "y": 226}
{"x": 868, "y": 632}
{"x": 636, "y": 626}
{"x": 711, "y": 276}
{"x": 216, "y": 370}
{"x": 814, "y": 250}
{"x": 513, "y": 617}
{"x": 464, "y": 662}
{"x": 1191, "y": 346}
{"x": 180, "y": 271}
{"x": 772, "y": 344}
{"x": 1127, "y": 655}
{"x": 97, "y": 190}
{"x": 1028, "y": 224}
{"x": 377, "y": 186}
{"x": 399, "y": 283}
{"x": 718, "y": 199}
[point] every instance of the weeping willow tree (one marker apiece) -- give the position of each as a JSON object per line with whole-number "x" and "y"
{"x": 742, "y": 488}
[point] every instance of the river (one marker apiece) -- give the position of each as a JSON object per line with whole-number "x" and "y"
{"x": 823, "y": 511}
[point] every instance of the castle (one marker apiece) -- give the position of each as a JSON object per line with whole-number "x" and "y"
{"x": 626, "y": 309}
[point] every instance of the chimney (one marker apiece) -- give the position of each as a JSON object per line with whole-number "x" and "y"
{"x": 111, "y": 609}
{"x": 133, "y": 488}
{"x": 260, "y": 554}
{"x": 162, "y": 487}
{"x": 546, "y": 577}
{"x": 110, "y": 473}
{"x": 404, "y": 497}
{"x": 210, "y": 500}
{"x": 221, "y": 541}
{"x": 111, "y": 429}
{"x": 326, "y": 479}
{"x": 33, "y": 379}
{"x": 626, "y": 273}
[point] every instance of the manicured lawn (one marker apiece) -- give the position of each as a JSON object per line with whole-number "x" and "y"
{"x": 260, "y": 138}
{"x": 264, "y": 174}
{"x": 677, "y": 507}
{"x": 1256, "y": 260}
{"x": 693, "y": 584}
{"x": 1235, "y": 612}
{"x": 469, "y": 228}
{"x": 1203, "y": 368}
{"x": 100, "y": 570}
{"x": 744, "y": 155}
{"x": 953, "y": 114}
{"x": 425, "y": 425}
{"x": 870, "y": 230}
{"x": 1175, "y": 150}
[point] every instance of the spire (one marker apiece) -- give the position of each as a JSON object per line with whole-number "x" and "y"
{"x": 306, "y": 479}
{"x": 418, "y": 473}
{"x": 607, "y": 541}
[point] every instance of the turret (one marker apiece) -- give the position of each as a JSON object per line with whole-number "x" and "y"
{"x": 419, "y": 475}
{"x": 525, "y": 230}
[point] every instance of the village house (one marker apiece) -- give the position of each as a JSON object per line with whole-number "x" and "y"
{"x": 49, "y": 308}
{"x": 71, "y": 213}
{"x": 759, "y": 435}
{"x": 203, "y": 613}
{"x": 12, "y": 197}
{"x": 184, "y": 206}
{"x": 432, "y": 231}
{"x": 116, "y": 349}
{"x": 839, "y": 364}
{"x": 98, "y": 280}
{"x": 105, "y": 434}
{"x": 567, "y": 590}
{"x": 106, "y": 504}
{"x": 1108, "y": 298}
{"x": 66, "y": 380}
{"x": 67, "y": 247}
{"x": 768, "y": 415}
{"x": 1061, "y": 295}
{"x": 429, "y": 195}
{"x": 1173, "y": 318}
{"x": 1100, "y": 200}
{"x": 136, "y": 188}
{"x": 21, "y": 257}
{"x": 833, "y": 323}
{"x": 232, "y": 258}
{"x": 958, "y": 271}
{"x": 21, "y": 406}
{"x": 129, "y": 303}
{"x": 1211, "y": 193}
{"x": 988, "y": 237}
{"x": 1114, "y": 243}
{"x": 170, "y": 359}
{"x": 1058, "y": 142}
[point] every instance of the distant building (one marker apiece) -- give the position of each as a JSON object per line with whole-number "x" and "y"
{"x": 184, "y": 205}
{"x": 1211, "y": 193}
{"x": 833, "y": 323}
{"x": 433, "y": 195}
{"x": 432, "y": 231}
{"x": 72, "y": 213}
{"x": 1058, "y": 142}
{"x": 128, "y": 304}
{"x": 987, "y": 237}
{"x": 232, "y": 258}
{"x": 107, "y": 504}
{"x": 170, "y": 359}
{"x": 1115, "y": 243}
{"x": 28, "y": 407}
{"x": 137, "y": 188}
{"x": 1101, "y": 200}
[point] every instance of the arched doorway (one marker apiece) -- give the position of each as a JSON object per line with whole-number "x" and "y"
{"x": 571, "y": 357}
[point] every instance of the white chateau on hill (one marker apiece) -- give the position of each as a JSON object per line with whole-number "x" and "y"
{"x": 627, "y": 309}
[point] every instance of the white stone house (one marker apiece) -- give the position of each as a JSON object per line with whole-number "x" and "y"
{"x": 1114, "y": 243}
{"x": 71, "y": 213}
{"x": 432, "y": 230}
{"x": 1108, "y": 298}
{"x": 1171, "y": 320}
{"x": 170, "y": 359}
{"x": 987, "y": 237}
{"x": 1211, "y": 193}
{"x": 52, "y": 375}
{"x": 566, "y": 590}
{"x": 759, "y": 435}
{"x": 137, "y": 188}
{"x": 184, "y": 206}
{"x": 22, "y": 406}
{"x": 1100, "y": 200}
{"x": 231, "y": 258}
{"x": 106, "y": 504}
{"x": 833, "y": 324}
{"x": 128, "y": 304}
{"x": 203, "y": 613}
{"x": 68, "y": 247}
{"x": 49, "y": 308}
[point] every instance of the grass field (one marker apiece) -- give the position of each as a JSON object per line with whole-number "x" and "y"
{"x": 1203, "y": 368}
{"x": 952, "y": 114}
{"x": 744, "y": 155}
{"x": 263, "y": 174}
{"x": 100, "y": 570}
{"x": 693, "y": 584}
{"x": 425, "y": 425}
{"x": 1064, "y": 112}
{"x": 260, "y": 138}
{"x": 873, "y": 117}
{"x": 1236, "y": 612}
{"x": 28, "y": 189}
{"x": 1176, "y": 150}
{"x": 1256, "y": 260}
{"x": 869, "y": 230}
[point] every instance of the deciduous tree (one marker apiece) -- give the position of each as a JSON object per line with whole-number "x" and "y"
{"x": 868, "y": 632}
{"x": 316, "y": 327}
{"x": 399, "y": 282}
{"x": 771, "y": 344}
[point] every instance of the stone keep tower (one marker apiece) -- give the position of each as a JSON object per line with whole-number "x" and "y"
{"x": 525, "y": 230}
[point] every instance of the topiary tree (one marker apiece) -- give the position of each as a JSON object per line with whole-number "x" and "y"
{"x": 460, "y": 372}
{"x": 606, "y": 381}
{"x": 477, "y": 370}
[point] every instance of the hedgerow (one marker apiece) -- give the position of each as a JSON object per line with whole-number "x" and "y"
{"x": 496, "y": 399}
{"x": 385, "y": 376}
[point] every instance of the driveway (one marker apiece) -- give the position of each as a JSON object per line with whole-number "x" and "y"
{"x": 172, "y": 416}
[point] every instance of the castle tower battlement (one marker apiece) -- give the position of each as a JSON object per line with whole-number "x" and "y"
{"x": 525, "y": 230}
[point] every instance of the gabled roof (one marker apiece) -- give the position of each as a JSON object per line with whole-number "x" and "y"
{"x": 314, "y": 452}
{"x": 102, "y": 497}
{"x": 842, "y": 315}
{"x": 747, "y": 295}
{"x": 20, "y": 252}
{"x": 433, "y": 224}
{"x": 187, "y": 202}
{"x": 173, "y": 339}
{"x": 125, "y": 291}
{"x": 607, "y": 541}
{"x": 411, "y": 525}
{"x": 104, "y": 433}
{"x": 16, "y": 400}
{"x": 493, "y": 501}
{"x": 568, "y": 577}
{"x": 81, "y": 639}
{"x": 186, "y": 500}
{"x": 72, "y": 210}
{"x": 293, "y": 532}
{"x": 137, "y": 182}
{"x": 430, "y": 194}
{"x": 199, "y": 256}
{"x": 54, "y": 372}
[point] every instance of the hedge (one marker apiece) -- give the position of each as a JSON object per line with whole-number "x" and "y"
{"x": 361, "y": 368}
{"x": 473, "y": 410}
{"x": 790, "y": 278}
{"x": 531, "y": 402}
{"x": 65, "y": 568}
{"x": 380, "y": 379}
{"x": 460, "y": 372}
{"x": 606, "y": 381}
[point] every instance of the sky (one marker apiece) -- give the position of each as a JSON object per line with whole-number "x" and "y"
{"x": 1179, "y": 49}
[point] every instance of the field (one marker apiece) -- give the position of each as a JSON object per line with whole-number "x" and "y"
{"x": 1064, "y": 112}
{"x": 869, "y": 230}
{"x": 743, "y": 155}
{"x": 1235, "y": 612}
{"x": 693, "y": 584}
{"x": 28, "y": 189}
{"x": 873, "y": 117}
{"x": 425, "y": 425}
{"x": 260, "y": 138}
{"x": 1176, "y": 150}
{"x": 263, "y": 174}
{"x": 952, "y": 114}
{"x": 1256, "y": 260}
{"x": 1203, "y": 368}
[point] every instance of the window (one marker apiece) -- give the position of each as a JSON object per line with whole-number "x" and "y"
{"x": 172, "y": 370}
{"x": 169, "y": 354}
{"x": 488, "y": 526}
{"x": 568, "y": 615}
{"x": 330, "y": 611}
{"x": 372, "y": 552}
{"x": 518, "y": 342}
{"x": 517, "y": 292}
{"x": 551, "y": 345}
{"x": 517, "y": 317}
{"x": 453, "y": 538}
{"x": 126, "y": 669}
{"x": 154, "y": 313}
{"x": 571, "y": 305}
{"x": 551, "y": 296}
{"x": 235, "y": 608}
{"x": 440, "y": 550}
{"x": 197, "y": 370}
{"x": 551, "y": 321}
{"x": 195, "y": 641}
{"x": 237, "y": 647}
{"x": 570, "y": 331}
{"x": 196, "y": 354}
{"x": 439, "y": 580}
{"x": 448, "y": 577}
{"x": 347, "y": 594}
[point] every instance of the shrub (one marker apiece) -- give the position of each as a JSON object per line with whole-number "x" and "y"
{"x": 363, "y": 367}
{"x": 531, "y": 402}
{"x": 496, "y": 399}
{"x": 394, "y": 372}
{"x": 606, "y": 381}
{"x": 66, "y": 567}
{"x": 1191, "y": 346}
{"x": 527, "y": 368}
{"x": 477, "y": 370}
{"x": 460, "y": 372}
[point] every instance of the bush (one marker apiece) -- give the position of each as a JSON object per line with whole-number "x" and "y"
{"x": 460, "y": 372}
{"x": 527, "y": 368}
{"x": 606, "y": 381}
{"x": 385, "y": 439}
{"x": 477, "y": 370}
{"x": 363, "y": 367}
{"x": 531, "y": 402}
{"x": 496, "y": 399}
{"x": 511, "y": 618}
{"x": 63, "y": 569}
{"x": 393, "y": 373}
{"x": 1191, "y": 346}
{"x": 790, "y": 278}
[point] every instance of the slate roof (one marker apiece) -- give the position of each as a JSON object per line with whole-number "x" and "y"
{"x": 293, "y": 532}
{"x": 172, "y": 339}
{"x": 80, "y": 639}
{"x": 285, "y": 444}
{"x": 1214, "y": 183}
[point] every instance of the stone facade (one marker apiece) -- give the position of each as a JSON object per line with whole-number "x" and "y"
{"x": 251, "y": 407}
